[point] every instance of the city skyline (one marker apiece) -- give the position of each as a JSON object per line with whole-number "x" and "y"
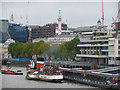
{"x": 75, "y": 14}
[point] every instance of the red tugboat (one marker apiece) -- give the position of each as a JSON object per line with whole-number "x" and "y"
{"x": 38, "y": 70}
{"x": 9, "y": 71}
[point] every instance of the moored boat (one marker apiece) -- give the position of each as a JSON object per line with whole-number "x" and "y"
{"x": 39, "y": 71}
{"x": 11, "y": 72}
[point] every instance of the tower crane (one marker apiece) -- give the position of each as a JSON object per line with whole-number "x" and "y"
{"x": 102, "y": 14}
{"x": 114, "y": 20}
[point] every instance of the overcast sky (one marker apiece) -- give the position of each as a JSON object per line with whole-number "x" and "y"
{"x": 76, "y": 13}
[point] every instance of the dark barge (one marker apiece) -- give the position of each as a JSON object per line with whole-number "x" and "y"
{"x": 103, "y": 78}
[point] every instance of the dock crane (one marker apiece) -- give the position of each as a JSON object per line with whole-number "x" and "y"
{"x": 114, "y": 20}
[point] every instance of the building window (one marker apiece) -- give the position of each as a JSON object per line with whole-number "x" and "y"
{"x": 105, "y": 48}
{"x": 104, "y": 53}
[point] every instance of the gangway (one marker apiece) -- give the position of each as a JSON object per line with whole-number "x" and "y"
{"x": 109, "y": 69}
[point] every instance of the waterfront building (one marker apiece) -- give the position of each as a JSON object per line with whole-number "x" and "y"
{"x": 102, "y": 49}
{"x": 4, "y": 49}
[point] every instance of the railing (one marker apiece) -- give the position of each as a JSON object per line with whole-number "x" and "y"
{"x": 92, "y": 79}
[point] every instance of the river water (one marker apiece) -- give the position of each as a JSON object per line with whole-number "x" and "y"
{"x": 19, "y": 81}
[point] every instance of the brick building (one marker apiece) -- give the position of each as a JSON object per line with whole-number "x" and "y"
{"x": 42, "y": 31}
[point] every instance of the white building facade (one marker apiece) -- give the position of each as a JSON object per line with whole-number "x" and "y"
{"x": 4, "y": 48}
{"x": 59, "y": 39}
{"x": 102, "y": 49}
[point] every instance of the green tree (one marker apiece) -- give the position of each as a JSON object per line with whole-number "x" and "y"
{"x": 70, "y": 49}
{"x": 26, "y": 50}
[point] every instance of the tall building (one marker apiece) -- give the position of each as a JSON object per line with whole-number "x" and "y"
{"x": 42, "y": 31}
{"x": 13, "y": 31}
{"x": 4, "y": 35}
{"x": 18, "y": 32}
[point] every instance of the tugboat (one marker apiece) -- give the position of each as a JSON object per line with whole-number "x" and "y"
{"x": 8, "y": 70}
{"x": 38, "y": 70}
{"x": 11, "y": 72}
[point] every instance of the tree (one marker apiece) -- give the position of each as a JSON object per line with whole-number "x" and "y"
{"x": 69, "y": 49}
{"x": 26, "y": 50}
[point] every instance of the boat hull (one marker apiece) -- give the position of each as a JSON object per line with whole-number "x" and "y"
{"x": 31, "y": 76}
{"x": 51, "y": 78}
{"x": 48, "y": 78}
{"x": 12, "y": 73}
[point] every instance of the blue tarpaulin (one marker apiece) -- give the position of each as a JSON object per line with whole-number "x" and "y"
{"x": 19, "y": 59}
{"x": 28, "y": 59}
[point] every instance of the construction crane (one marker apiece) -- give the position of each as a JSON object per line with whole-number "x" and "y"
{"x": 102, "y": 14}
{"x": 114, "y": 20}
{"x": 27, "y": 14}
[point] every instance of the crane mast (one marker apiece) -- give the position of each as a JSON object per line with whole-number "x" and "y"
{"x": 102, "y": 14}
{"x": 114, "y": 20}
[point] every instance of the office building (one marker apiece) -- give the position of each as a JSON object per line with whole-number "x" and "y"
{"x": 102, "y": 49}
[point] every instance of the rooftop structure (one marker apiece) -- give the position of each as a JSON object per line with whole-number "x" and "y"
{"x": 91, "y": 30}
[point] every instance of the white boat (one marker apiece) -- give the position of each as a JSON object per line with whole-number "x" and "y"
{"x": 42, "y": 72}
{"x": 40, "y": 76}
{"x": 53, "y": 78}
{"x": 32, "y": 75}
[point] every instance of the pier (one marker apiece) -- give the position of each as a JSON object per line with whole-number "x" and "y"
{"x": 72, "y": 64}
{"x": 105, "y": 78}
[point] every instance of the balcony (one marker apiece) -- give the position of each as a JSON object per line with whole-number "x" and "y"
{"x": 91, "y": 45}
{"x": 111, "y": 44}
{"x": 93, "y": 56}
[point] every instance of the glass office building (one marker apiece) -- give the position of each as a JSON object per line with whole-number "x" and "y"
{"x": 18, "y": 33}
